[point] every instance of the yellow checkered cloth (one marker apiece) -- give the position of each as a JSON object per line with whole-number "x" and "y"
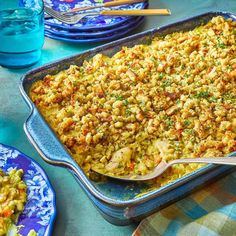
{"x": 208, "y": 212}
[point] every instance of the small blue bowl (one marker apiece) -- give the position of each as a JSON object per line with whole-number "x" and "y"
{"x": 40, "y": 209}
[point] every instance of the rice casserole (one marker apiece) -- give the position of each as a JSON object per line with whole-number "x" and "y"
{"x": 13, "y": 197}
{"x": 173, "y": 98}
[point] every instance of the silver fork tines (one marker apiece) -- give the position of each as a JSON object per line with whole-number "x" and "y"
{"x": 68, "y": 19}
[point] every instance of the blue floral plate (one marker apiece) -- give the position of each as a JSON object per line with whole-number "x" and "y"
{"x": 92, "y": 34}
{"x": 109, "y": 37}
{"x": 40, "y": 209}
{"x": 89, "y": 22}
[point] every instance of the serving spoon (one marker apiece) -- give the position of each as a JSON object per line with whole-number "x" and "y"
{"x": 163, "y": 166}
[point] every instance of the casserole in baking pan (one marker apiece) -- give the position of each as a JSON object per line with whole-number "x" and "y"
{"x": 124, "y": 106}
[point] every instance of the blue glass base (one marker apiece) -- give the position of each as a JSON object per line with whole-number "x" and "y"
{"x": 19, "y": 60}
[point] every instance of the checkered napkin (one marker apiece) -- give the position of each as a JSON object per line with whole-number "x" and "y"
{"x": 208, "y": 212}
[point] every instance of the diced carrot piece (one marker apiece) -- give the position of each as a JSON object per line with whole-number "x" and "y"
{"x": 7, "y": 212}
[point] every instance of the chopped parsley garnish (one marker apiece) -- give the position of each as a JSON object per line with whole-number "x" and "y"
{"x": 117, "y": 97}
{"x": 213, "y": 99}
{"x": 187, "y": 123}
{"x": 168, "y": 122}
{"x": 230, "y": 98}
{"x": 220, "y": 44}
{"x": 190, "y": 131}
{"x": 125, "y": 102}
{"x": 75, "y": 83}
{"x": 202, "y": 94}
{"x": 166, "y": 83}
{"x": 161, "y": 75}
{"x": 178, "y": 148}
{"x": 127, "y": 112}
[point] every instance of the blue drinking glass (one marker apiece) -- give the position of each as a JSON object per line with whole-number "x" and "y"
{"x": 21, "y": 32}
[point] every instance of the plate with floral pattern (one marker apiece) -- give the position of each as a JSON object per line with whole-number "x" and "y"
{"x": 94, "y": 33}
{"x": 40, "y": 209}
{"x": 89, "y": 22}
{"x": 106, "y": 38}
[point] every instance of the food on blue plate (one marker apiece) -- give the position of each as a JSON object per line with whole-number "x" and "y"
{"x": 172, "y": 98}
{"x": 12, "y": 198}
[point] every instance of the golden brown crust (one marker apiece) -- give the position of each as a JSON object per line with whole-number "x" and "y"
{"x": 171, "y": 99}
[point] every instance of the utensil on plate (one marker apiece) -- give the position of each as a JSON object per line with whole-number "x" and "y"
{"x": 73, "y": 19}
{"x": 106, "y": 4}
{"x": 163, "y": 166}
{"x": 98, "y": 22}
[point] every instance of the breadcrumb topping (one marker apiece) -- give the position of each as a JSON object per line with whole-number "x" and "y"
{"x": 174, "y": 98}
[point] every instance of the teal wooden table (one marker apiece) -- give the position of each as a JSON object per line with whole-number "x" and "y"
{"x": 75, "y": 213}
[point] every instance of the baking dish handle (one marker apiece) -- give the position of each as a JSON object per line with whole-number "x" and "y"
{"x": 46, "y": 143}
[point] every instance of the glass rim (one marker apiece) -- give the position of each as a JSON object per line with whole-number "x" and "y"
{"x": 42, "y": 8}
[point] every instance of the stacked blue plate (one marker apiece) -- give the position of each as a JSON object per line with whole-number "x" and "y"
{"x": 90, "y": 29}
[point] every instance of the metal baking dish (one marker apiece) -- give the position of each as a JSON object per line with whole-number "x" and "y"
{"x": 114, "y": 199}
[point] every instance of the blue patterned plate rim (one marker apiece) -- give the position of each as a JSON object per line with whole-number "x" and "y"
{"x": 40, "y": 209}
{"x": 95, "y": 34}
{"x": 96, "y": 40}
{"x": 91, "y": 22}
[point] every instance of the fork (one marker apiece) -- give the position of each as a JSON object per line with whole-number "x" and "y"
{"x": 73, "y": 19}
{"x": 106, "y": 4}
{"x": 68, "y": 19}
{"x": 163, "y": 166}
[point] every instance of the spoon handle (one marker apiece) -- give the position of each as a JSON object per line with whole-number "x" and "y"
{"x": 208, "y": 160}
